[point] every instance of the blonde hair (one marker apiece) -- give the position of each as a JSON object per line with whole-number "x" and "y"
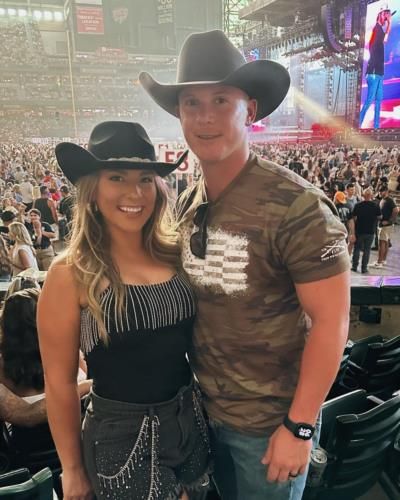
{"x": 20, "y": 234}
{"x": 88, "y": 250}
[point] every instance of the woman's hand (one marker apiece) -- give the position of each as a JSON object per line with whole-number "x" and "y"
{"x": 76, "y": 485}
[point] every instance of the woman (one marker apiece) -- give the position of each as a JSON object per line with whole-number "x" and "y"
{"x": 5, "y": 262}
{"x": 22, "y": 253}
{"x": 144, "y": 435}
{"x": 20, "y": 364}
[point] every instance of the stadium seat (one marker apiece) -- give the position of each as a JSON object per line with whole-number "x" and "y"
{"x": 14, "y": 477}
{"x": 32, "y": 448}
{"x": 38, "y": 487}
{"x": 358, "y": 433}
{"x": 353, "y": 357}
{"x": 373, "y": 366}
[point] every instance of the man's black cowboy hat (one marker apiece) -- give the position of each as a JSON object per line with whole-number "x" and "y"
{"x": 210, "y": 58}
{"x": 112, "y": 145}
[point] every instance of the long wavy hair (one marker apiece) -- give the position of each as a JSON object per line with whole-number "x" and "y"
{"x": 19, "y": 343}
{"x": 20, "y": 234}
{"x": 88, "y": 250}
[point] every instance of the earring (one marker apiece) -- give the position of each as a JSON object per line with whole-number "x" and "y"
{"x": 92, "y": 207}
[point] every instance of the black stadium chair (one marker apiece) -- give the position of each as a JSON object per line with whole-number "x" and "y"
{"x": 373, "y": 366}
{"x": 358, "y": 433}
{"x": 354, "y": 354}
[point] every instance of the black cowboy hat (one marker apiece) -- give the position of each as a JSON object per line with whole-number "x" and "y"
{"x": 112, "y": 145}
{"x": 210, "y": 58}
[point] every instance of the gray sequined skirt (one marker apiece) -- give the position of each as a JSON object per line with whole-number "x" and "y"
{"x": 147, "y": 452}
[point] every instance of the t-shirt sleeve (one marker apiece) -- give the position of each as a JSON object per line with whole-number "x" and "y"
{"x": 46, "y": 227}
{"x": 311, "y": 240}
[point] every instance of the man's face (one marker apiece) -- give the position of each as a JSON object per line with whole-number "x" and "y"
{"x": 35, "y": 219}
{"x": 213, "y": 119}
{"x": 350, "y": 192}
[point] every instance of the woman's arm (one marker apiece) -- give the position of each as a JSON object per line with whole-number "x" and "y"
{"x": 59, "y": 327}
{"x": 24, "y": 259}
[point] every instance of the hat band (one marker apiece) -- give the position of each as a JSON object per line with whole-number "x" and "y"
{"x": 133, "y": 159}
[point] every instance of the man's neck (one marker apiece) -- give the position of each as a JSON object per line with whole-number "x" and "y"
{"x": 219, "y": 175}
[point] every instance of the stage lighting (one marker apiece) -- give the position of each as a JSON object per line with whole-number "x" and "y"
{"x": 22, "y": 13}
{"x": 37, "y": 14}
{"x": 11, "y": 12}
{"x": 47, "y": 15}
{"x": 58, "y": 16}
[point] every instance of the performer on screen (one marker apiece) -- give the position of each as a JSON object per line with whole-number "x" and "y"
{"x": 375, "y": 68}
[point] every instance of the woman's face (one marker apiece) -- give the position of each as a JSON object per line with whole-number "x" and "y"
{"x": 126, "y": 198}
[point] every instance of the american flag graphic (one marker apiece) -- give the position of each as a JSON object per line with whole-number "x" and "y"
{"x": 224, "y": 268}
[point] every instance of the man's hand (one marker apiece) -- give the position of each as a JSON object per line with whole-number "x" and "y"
{"x": 37, "y": 226}
{"x": 286, "y": 455}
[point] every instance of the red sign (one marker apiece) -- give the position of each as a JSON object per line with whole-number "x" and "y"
{"x": 89, "y": 20}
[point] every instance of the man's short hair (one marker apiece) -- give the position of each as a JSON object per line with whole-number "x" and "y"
{"x": 64, "y": 189}
{"x": 43, "y": 189}
{"x": 35, "y": 211}
{"x": 349, "y": 185}
{"x": 47, "y": 172}
{"x": 383, "y": 188}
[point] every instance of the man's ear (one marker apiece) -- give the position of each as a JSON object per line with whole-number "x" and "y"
{"x": 251, "y": 110}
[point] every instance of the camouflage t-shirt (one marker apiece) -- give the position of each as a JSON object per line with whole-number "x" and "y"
{"x": 268, "y": 230}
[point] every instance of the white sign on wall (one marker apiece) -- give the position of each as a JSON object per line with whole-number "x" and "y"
{"x": 171, "y": 155}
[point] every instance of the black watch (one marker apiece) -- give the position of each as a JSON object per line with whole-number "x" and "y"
{"x": 300, "y": 430}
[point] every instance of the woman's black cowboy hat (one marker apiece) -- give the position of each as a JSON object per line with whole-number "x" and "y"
{"x": 210, "y": 58}
{"x": 112, "y": 145}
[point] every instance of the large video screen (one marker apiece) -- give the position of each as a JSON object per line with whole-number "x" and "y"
{"x": 380, "y": 91}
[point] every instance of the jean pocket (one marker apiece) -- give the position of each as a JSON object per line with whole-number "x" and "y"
{"x": 119, "y": 449}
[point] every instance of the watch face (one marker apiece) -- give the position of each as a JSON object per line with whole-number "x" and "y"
{"x": 304, "y": 432}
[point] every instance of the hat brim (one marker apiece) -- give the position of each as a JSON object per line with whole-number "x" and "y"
{"x": 266, "y": 81}
{"x": 76, "y": 162}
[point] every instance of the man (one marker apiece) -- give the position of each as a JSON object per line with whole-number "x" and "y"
{"x": 376, "y": 66}
{"x": 365, "y": 215}
{"x": 7, "y": 217}
{"x": 41, "y": 232}
{"x": 389, "y": 212}
{"x": 351, "y": 198}
{"x": 47, "y": 207}
{"x": 66, "y": 209}
{"x": 345, "y": 215}
{"x": 262, "y": 248}
{"x": 27, "y": 192}
{"x": 15, "y": 410}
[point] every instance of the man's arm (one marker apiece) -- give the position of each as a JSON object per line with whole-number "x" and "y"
{"x": 53, "y": 209}
{"x": 327, "y": 303}
{"x": 15, "y": 410}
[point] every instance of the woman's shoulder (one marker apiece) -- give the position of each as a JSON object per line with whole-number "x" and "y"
{"x": 61, "y": 275}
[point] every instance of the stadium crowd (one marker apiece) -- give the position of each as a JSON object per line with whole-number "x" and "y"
{"x": 29, "y": 178}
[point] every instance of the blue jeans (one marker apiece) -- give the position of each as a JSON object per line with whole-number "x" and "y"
{"x": 238, "y": 471}
{"x": 363, "y": 244}
{"x": 375, "y": 93}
